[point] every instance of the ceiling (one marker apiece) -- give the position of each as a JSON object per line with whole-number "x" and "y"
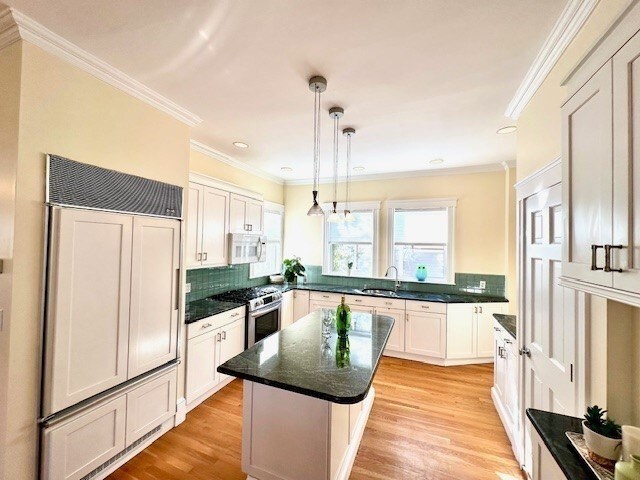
{"x": 418, "y": 79}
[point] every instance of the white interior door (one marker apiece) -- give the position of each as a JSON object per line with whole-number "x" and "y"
{"x": 549, "y": 311}
{"x": 88, "y": 309}
{"x": 155, "y": 268}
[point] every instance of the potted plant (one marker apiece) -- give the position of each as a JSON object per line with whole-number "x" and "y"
{"x": 293, "y": 269}
{"x": 603, "y": 436}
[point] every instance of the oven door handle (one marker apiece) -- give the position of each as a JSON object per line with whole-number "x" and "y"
{"x": 270, "y": 308}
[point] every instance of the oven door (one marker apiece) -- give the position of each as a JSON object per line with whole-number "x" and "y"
{"x": 263, "y": 322}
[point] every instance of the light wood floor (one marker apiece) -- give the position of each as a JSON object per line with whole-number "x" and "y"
{"x": 427, "y": 422}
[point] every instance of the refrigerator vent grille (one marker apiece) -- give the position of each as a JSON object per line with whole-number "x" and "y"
{"x": 117, "y": 457}
{"x": 73, "y": 183}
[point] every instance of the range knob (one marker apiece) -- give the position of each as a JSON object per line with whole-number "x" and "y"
{"x": 259, "y": 302}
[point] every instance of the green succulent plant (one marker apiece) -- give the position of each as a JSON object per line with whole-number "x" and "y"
{"x": 293, "y": 268}
{"x": 596, "y": 421}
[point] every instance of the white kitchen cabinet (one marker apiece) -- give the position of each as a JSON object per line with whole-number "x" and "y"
{"x": 484, "y": 328}
{"x": 155, "y": 275}
{"x": 89, "y": 323}
{"x": 506, "y": 379}
{"x": 396, "y": 338}
{"x": 245, "y": 214}
{"x": 207, "y": 226}
{"x": 287, "y": 309}
{"x": 544, "y": 465}
{"x": 470, "y": 330}
{"x": 318, "y": 305}
{"x": 77, "y": 446}
{"x": 587, "y": 152}
{"x": 231, "y": 343}
{"x": 202, "y": 375}
{"x": 150, "y": 405}
{"x": 300, "y": 304}
{"x": 425, "y": 334}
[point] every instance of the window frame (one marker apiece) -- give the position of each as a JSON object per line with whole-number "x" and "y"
{"x": 374, "y": 207}
{"x": 450, "y": 205}
{"x": 277, "y": 208}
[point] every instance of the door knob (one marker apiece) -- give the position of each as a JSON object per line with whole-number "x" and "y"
{"x": 525, "y": 351}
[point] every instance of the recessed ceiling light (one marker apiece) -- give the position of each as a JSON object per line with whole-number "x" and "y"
{"x": 240, "y": 145}
{"x": 506, "y": 130}
{"x": 286, "y": 169}
{"x": 358, "y": 169}
{"x": 436, "y": 161}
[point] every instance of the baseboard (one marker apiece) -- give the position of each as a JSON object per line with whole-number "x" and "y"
{"x": 190, "y": 406}
{"x": 442, "y": 362}
{"x": 181, "y": 411}
{"x": 509, "y": 427}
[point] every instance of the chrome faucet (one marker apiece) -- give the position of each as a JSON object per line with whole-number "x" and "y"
{"x": 397, "y": 284}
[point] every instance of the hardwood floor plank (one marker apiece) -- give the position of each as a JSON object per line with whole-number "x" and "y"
{"x": 427, "y": 422}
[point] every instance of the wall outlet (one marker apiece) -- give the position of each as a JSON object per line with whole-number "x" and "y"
{"x": 483, "y": 284}
{"x": 187, "y": 288}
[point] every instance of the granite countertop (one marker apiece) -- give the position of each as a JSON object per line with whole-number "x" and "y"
{"x": 299, "y": 360}
{"x": 199, "y": 309}
{"x": 401, "y": 294}
{"x": 552, "y": 427}
{"x": 508, "y": 322}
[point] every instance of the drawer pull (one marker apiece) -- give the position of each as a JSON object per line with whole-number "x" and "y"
{"x": 358, "y": 300}
{"x": 206, "y": 325}
{"x": 325, "y": 296}
{"x": 234, "y": 314}
{"x": 425, "y": 306}
{"x": 496, "y": 329}
{"x": 388, "y": 303}
{"x": 506, "y": 340}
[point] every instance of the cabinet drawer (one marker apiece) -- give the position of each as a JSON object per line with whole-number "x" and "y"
{"x": 377, "y": 302}
{"x": 150, "y": 405}
{"x": 209, "y": 324}
{"x": 325, "y": 297}
{"x": 432, "y": 307}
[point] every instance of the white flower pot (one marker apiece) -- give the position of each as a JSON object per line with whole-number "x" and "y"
{"x": 605, "y": 447}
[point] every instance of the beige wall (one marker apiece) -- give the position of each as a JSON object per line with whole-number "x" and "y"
{"x": 511, "y": 239}
{"x": 201, "y": 163}
{"x": 480, "y": 227}
{"x": 10, "y": 60}
{"x": 68, "y": 112}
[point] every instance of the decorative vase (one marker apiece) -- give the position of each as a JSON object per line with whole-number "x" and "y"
{"x": 343, "y": 319}
{"x": 421, "y": 273}
{"x": 630, "y": 442}
{"x": 343, "y": 353}
{"x": 628, "y": 470}
{"x": 604, "y": 447}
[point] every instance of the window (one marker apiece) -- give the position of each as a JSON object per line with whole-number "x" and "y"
{"x": 273, "y": 229}
{"x": 421, "y": 234}
{"x": 352, "y": 242}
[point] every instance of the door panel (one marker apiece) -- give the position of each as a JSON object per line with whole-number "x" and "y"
{"x": 155, "y": 273}
{"x": 588, "y": 163}
{"x": 484, "y": 326}
{"x": 300, "y": 304}
{"x": 255, "y": 215}
{"x": 396, "y": 338}
{"x": 88, "y": 317}
{"x": 231, "y": 343}
{"x": 237, "y": 213}
{"x": 426, "y": 334}
{"x": 193, "y": 248}
{"x": 214, "y": 227}
{"x": 461, "y": 331}
{"x": 626, "y": 166}
{"x": 201, "y": 364}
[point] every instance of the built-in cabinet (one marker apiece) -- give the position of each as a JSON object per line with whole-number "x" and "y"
{"x": 211, "y": 342}
{"x": 470, "y": 329}
{"x": 505, "y": 384}
{"x": 601, "y": 165}
{"x": 286, "y": 314}
{"x": 215, "y": 209}
{"x": 115, "y": 280}
{"x": 300, "y": 304}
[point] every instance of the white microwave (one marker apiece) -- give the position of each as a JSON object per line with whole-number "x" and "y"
{"x": 247, "y": 248}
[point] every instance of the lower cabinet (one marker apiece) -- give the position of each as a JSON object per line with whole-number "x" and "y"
{"x": 426, "y": 334}
{"x": 396, "y": 339}
{"x": 544, "y": 465}
{"x": 470, "y": 330}
{"x": 78, "y": 445}
{"x": 505, "y": 388}
{"x": 211, "y": 342}
{"x": 300, "y": 304}
{"x": 287, "y": 309}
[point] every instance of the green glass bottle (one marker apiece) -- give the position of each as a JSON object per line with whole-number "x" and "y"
{"x": 343, "y": 319}
{"x": 343, "y": 353}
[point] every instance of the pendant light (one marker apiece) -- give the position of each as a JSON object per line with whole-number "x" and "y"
{"x": 348, "y": 216}
{"x": 335, "y": 113}
{"x": 317, "y": 85}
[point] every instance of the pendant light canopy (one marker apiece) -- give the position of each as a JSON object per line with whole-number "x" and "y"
{"x": 335, "y": 113}
{"x": 317, "y": 85}
{"x": 348, "y": 216}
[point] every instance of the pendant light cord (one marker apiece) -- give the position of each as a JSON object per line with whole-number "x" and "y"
{"x": 347, "y": 202}
{"x": 336, "y": 123}
{"x": 316, "y": 139}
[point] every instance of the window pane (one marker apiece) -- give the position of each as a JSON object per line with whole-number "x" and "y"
{"x": 408, "y": 257}
{"x": 360, "y": 254}
{"x": 360, "y": 230}
{"x": 421, "y": 226}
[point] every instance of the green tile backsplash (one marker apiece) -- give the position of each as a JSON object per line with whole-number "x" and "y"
{"x": 210, "y": 281}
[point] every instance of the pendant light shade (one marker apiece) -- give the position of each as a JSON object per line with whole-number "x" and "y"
{"x": 317, "y": 85}
{"x": 335, "y": 113}
{"x": 348, "y": 216}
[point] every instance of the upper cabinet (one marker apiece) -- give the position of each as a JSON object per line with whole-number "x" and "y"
{"x": 246, "y": 214}
{"x": 601, "y": 173}
{"x": 214, "y": 211}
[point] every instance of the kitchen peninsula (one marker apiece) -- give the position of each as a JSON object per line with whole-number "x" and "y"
{"x": 307, "y": 398}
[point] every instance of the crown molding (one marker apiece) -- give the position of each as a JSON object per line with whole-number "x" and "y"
{"x": 409, "y": 174}
{"x": 571, "y": 20}
{"x": 229, "y": 160}
{"x": 15, "y": 26}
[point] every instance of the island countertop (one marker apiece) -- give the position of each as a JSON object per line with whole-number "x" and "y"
{"x": 300, "y": 360}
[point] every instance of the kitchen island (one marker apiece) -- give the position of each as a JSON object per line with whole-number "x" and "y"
{"x": 307, "y": 398}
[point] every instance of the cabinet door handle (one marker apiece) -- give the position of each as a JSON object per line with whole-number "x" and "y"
{"x": 496, "y": 329}
{"x": 594, "y": 257}
{"x": 218, "y": 336}
{"x": 224, "y": 335}
{"x": 407, "y": 317}
{"x": 607, "y": 258}
{"x": 480, "y": 309}
{"x": 199, "y": 257}
{"x": 205, "y": 256}
{"x": 507, "y": 341}
{"x": 501, "y": 352}
{"x": 475, "y": 309}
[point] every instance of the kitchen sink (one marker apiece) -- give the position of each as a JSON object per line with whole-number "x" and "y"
{"x": 380, "y": 291}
